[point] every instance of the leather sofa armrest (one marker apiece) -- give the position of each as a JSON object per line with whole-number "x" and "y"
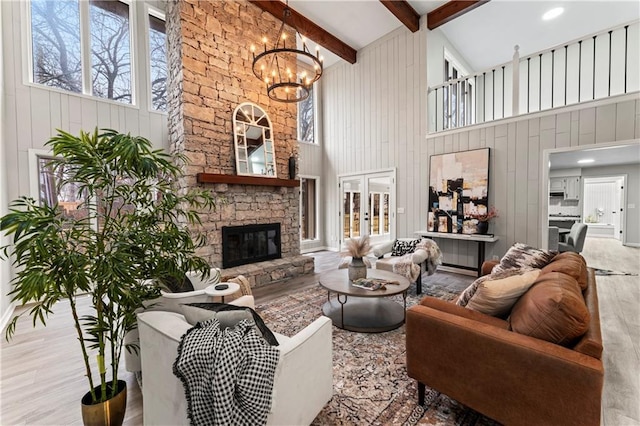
{"x": 487, "y": 267}
{"x": 482, "y": 366}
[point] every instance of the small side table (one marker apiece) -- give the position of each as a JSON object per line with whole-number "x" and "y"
{"x": 211, "y": 290}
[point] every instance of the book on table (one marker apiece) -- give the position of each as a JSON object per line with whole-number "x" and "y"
{"x": 373, "y": 283}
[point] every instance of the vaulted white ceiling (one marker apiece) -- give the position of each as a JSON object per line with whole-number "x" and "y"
{"x": 485, "y": 36}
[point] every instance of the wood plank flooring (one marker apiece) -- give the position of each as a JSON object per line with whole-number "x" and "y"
{"x": 41, "y": 373}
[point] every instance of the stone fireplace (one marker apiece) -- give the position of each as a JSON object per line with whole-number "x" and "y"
{"x": 209, "y": 64}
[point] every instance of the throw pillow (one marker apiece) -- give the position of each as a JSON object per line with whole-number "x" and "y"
{"x": 569, "y": 263}
{"x": 400, "y": 248}
{"x": 227, "y": 319}
{"x": 171, "y": 284}
{"x": 496, "y": 297}
{"x": 523, "y": 256}
{"x": 468, "y": 293}
{"x": 211, "y": 310}
{"x": 553, "y": 310}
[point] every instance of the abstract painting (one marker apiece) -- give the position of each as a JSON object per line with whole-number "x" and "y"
{"x": 458, "y": 191}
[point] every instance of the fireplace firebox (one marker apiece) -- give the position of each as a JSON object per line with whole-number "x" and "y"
{"x": 250, "y": 243}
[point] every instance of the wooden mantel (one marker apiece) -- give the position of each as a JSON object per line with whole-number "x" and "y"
{"x": 246, "y": 180}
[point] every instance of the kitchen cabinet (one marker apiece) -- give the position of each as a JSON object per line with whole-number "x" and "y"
{"x": 572, "y": 188}
{"x": 557, "y": 184}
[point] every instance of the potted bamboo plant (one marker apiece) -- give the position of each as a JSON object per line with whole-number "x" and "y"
{"x": 135, "y": 228}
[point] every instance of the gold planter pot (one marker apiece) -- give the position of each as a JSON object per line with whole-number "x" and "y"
{"x": 108, "y": 413}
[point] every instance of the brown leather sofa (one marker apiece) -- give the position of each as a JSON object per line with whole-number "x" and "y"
{"x": 510, "y": 377}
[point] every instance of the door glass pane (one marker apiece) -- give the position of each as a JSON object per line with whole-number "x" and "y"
{"x": 385, "y": 208}
{"x": 375, "y": 214}
{"x": 355, "y": 215}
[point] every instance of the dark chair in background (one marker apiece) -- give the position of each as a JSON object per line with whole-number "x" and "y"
{"x": 575, "y": 240}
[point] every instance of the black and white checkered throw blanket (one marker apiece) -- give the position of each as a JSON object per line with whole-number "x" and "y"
{"x": 227, "y": 374}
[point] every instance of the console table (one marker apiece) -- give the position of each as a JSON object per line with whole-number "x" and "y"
{"x": 478, "y": 238}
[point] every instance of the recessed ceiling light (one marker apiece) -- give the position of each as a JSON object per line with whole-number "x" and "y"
{"x": 586, "y": 160}
{"x": 553, "y": 13}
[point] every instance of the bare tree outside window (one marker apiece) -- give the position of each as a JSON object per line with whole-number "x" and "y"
{"x": 158, "y": 63}
{"x": 110, "y": 50}
{"x": 55, "y": 29}
{"x": 306, "y": 114}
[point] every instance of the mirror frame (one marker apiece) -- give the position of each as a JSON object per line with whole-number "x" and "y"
{"x": 247, "y": 116}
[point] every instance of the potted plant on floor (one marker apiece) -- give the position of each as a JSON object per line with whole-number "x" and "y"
{"x": 130, "y": 225}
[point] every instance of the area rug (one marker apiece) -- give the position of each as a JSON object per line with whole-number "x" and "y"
{"x": 371, "y": 386}
{"x": 605, "y": 272}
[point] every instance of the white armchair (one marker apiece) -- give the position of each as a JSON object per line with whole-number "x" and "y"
{"x": 303, "y": 381}
{"x": 426, "y": 257}
{"x": 171, "y": 302}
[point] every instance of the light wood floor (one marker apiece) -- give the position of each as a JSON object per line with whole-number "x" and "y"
{"x": 41, "y": 374}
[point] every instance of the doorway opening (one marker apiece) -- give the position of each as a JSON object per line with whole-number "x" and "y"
{"x": 603, "y": 206}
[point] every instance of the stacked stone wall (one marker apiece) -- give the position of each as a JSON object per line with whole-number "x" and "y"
{"x": 210, "y": 74}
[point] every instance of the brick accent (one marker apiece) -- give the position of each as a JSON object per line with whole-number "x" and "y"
{"x": 209, "y": 63}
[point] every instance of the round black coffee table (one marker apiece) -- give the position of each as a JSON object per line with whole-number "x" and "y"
{"x": 361, "y": 310}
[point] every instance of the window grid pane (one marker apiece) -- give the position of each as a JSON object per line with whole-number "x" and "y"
{"x": 55, "y": 28}
{"x": 308, "y": 209}
{"x": 110, "y": 50}
{"x": 306, "y": 113}
{"x": 158, "y": 63}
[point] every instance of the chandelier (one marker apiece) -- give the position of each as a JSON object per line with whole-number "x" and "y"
{"x": 277, "y": 66}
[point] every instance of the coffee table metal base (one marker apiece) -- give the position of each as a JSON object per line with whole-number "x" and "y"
{"x": 364, "y": 315}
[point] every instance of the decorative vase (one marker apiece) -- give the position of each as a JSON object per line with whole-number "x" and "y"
{"x": 292, "y": 167}
{"x": 108, "y": 413}
{"x": 482, "y": 227}
{"x": 357, "y": 269}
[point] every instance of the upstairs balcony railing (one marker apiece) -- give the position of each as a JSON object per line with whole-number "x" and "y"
{"x": 593, "y": 67}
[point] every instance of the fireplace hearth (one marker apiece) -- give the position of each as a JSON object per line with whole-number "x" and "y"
{"x": 246, "y": 244}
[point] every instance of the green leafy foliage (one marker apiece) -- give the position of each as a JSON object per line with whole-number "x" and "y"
{"x": 140, "y": 226}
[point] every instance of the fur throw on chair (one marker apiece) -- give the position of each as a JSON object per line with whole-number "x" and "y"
{"x": 409, "y": 265}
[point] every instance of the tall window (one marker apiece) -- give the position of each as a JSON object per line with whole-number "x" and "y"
{"x": 308, "y": 209}
{"x": 86, "y": 47}
{"x": 110, "y": 50}
{"x": 306, "y": 118}
{"x": 55, "y": 29}
{"x": 458, "y": 97}
{"x": 158, "y": 62}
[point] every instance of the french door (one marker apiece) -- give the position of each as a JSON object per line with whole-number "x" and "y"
{"x": 367, "y": 204}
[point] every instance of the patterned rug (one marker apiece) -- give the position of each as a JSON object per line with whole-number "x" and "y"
{"x": 371, "y": 386}
{"x": 605, "y": 272}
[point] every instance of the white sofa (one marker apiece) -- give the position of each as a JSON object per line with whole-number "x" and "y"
{"x": 171, "y": 302}
{"x": 303, "y": 381}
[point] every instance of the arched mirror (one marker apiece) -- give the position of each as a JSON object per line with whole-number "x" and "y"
{"x": 253, "y": 136}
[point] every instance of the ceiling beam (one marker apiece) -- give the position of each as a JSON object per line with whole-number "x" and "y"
{"x": 309, "y": 29}
{"x": 404, "y": 12}
{"x": 450, "y": 11}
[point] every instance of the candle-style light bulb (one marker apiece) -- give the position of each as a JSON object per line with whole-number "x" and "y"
{"x": 321, "y": 58}
{"x": 273, "y": 73}
{"x": 253, "y": 48}
{"x": 264, "y": 40}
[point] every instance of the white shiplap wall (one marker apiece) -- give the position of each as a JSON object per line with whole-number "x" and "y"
{"x": 374, "y": 118}
{"x": 517, "y": 145}
{"x": 32, "y": 113}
